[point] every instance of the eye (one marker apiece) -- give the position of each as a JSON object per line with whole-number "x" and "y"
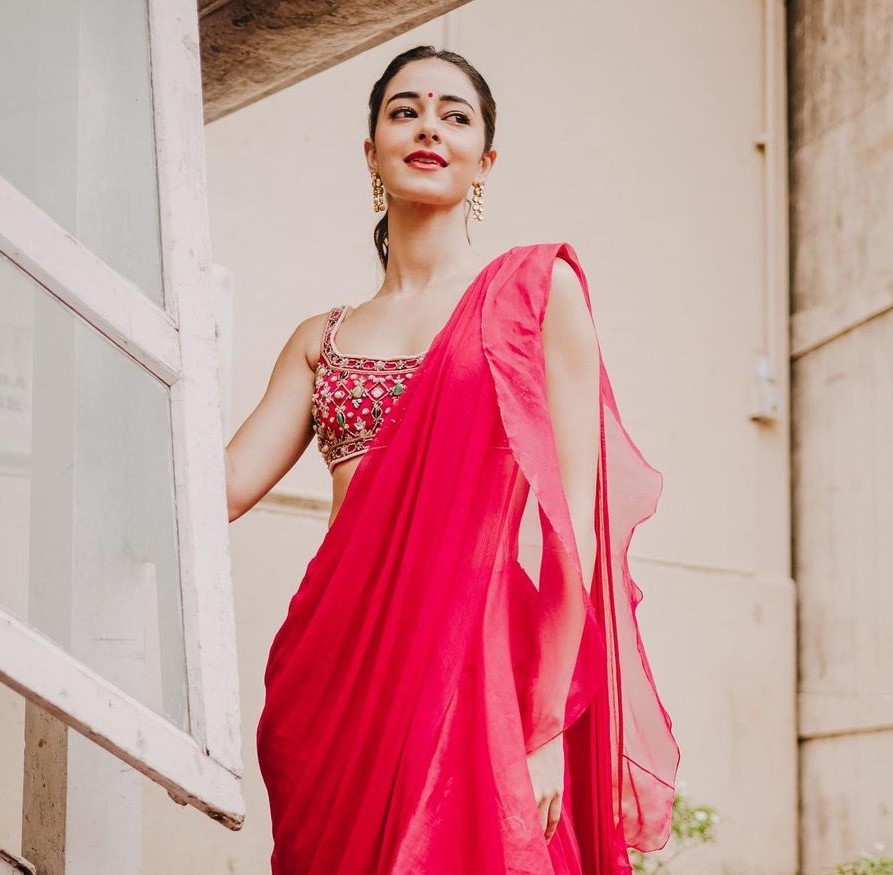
{"x": 463, "y": 118}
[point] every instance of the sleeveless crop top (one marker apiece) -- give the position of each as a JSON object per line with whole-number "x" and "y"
{"x": 352, "y": 393}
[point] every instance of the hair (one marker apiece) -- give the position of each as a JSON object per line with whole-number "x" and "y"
{"x": 488, "y": 112}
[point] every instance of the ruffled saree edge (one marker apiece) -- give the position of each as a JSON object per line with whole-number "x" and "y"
{"x": 629, "y": 712}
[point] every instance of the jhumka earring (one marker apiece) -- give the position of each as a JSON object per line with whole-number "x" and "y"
{"x": 377, "y": 193}
{"x": 477, "y": 199}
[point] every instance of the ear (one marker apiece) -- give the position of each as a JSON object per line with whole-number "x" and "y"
{"x": 488, "y": 159}
{"x": 371, "y": 154}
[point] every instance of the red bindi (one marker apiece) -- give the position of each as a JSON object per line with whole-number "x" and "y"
{"x": 430, "y": 94}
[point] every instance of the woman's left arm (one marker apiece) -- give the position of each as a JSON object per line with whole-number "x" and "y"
{"x": 570, "y": 347}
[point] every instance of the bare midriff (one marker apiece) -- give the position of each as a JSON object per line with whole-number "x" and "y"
{"x": 342, "y": 474}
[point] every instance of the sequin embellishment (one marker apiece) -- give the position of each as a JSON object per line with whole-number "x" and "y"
{"x": 351, "y": 394}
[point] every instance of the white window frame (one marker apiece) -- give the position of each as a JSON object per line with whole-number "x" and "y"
{"x": 177, "y": 344}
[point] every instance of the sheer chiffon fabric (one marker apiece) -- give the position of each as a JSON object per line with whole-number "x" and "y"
{"x": 442, "y": 630}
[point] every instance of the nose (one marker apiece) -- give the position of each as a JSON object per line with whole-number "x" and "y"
{"x": 426, "y": 129}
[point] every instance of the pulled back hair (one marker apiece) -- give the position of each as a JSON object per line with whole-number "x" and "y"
{"x": 488, "y": 112}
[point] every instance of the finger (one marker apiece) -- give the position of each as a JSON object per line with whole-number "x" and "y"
{"x": 543, "y": 808}
{"x": 554, "y": 815}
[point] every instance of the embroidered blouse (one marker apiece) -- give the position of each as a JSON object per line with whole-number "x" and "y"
{"x": 352, "y": 393}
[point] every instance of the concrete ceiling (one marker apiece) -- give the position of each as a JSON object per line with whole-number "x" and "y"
{"x": 253, "y": 48}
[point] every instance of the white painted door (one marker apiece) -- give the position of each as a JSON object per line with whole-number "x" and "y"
{"x": 116, "y": 610}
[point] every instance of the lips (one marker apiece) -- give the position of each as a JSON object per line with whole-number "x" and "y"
{"x": 423, "y": 157}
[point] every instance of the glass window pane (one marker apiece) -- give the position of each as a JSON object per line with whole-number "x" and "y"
{"x": 88, "y": 548}
{"x": 77, "y": 129}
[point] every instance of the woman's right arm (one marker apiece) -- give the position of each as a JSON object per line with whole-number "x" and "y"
{"x": 279, "y": 429}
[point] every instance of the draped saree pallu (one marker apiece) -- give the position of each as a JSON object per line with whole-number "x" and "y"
{"x": 443, "y": 631}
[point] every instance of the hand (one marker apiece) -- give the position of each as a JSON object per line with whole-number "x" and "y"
{"x": 546, "y": 767}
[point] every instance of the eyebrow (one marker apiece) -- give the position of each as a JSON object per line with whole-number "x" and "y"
{"x": 449, "y": 98}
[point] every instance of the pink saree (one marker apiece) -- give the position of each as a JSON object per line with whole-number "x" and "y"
{"x": 442, "y": 631}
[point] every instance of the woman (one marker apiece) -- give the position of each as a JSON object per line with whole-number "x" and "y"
{"x": 459, "y": 685}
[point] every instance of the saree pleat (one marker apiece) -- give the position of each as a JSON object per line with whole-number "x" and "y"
{"x": 429, "y": 647}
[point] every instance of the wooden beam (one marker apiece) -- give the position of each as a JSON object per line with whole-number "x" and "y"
{"x": 253, "y": 48}
{"x": 11, "y": 864}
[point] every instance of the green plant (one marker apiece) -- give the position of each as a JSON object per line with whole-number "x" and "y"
{"x": 690, "y": 825}
{"x": 867, "y": 864}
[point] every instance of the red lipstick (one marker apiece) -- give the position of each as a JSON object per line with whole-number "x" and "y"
{"x": 423, "y": 158}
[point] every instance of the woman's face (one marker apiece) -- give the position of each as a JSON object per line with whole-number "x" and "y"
{"x": 444, "y": 118}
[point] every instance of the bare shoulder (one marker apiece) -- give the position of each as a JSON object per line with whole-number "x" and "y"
{"x": 566, "y": 289}
{"x": 566, "y": 304}
{"x": 568, "y": 327}
{"x": 302, "y": 346}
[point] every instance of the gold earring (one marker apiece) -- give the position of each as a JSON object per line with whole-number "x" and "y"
{"x": 477, "y": 200}
{"x": 377, "y": 193}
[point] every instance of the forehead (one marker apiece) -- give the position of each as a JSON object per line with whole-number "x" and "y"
{"x": 432, "y": 74}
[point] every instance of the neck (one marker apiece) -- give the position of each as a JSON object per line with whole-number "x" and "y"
{"x": 427, "y": 244}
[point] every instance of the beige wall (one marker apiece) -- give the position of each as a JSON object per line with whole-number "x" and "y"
{"x": 842, "y": 371}
{"x": 627, "y": 130}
